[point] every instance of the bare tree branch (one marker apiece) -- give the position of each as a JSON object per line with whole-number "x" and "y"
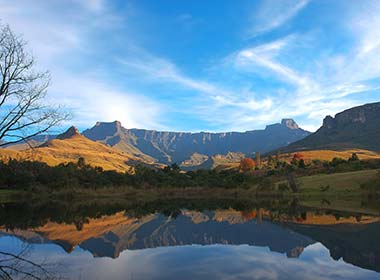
{"x": 22, "y": 91}
{"x": 19, "y": 266}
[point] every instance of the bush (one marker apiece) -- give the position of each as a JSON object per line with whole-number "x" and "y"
{"x": 266, "y": 184}
{"x": 27, "y": 174}
{"x": 337, "y": 161}
{"x": 301, "y": 164}
{"x": 283, "y": 187}
{"x": 325, "y": 188}
{"x": 247, "y": 164}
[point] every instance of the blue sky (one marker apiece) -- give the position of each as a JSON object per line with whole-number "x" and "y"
{"x": 197, "y": 65}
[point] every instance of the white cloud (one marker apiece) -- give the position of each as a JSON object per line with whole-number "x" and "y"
{"x": 332, "y": 85}
{"x": 163, "y": 70}
{"x": 46, "y": 36}
{"x": 367, "y": 28}
{"x": 58, "y": 41}
{"x": 92, "y": 101}
{"x": 309, "y": 99}
{"x": 92, "y": 5}
{"x": 362, "y": 62}
{"x": 214, "y": 102}
{"x": 273, "y": 14}
{"x": 61, "y": 38}
{"x": 250, "y": 57}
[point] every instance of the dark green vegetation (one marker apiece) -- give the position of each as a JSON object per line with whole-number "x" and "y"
{"x": 28, "y": 174}
{"x": 275, "y": 178}
{"x": 26, "y": 213}
{"x": 358, "y": 127}
{"x": 228, "y": 221}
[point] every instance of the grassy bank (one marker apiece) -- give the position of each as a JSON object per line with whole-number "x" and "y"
{"x": 347, "y": 181}
{"x": 322, "y": 185}
{"x": 336, "y": 191}
{"x": 336, "y": 185}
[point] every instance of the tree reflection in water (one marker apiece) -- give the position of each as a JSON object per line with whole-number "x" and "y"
{"x": 19, "y": 266}
{"x": 106, "y": 228}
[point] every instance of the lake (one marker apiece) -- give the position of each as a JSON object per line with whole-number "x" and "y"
{"x": 188, "y": 239}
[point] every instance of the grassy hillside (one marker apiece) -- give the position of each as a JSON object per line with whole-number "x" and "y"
{"x": 347, "y": 181}
{"x": 330, "y": 154}
{"x": 307, "y": 156}
{"x": 338, "y": 191}
{"x": 59, "y": 151}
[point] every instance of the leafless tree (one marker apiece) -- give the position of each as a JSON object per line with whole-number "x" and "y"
{"x": 22, "y": 91}
{"x": 19, "y": 266}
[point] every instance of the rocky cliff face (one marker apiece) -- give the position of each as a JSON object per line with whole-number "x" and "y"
{"x": 358, "y": 127}
{"x": 168, "y": 147}
{"x": 71, "y": 132}
{"x": 290, "y": 123}
{"x": 357, "y": 115}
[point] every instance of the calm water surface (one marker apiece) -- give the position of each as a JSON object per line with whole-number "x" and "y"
{"x": 194, "y": 242}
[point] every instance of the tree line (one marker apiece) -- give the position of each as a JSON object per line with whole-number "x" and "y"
{"x": 28, "y": 174}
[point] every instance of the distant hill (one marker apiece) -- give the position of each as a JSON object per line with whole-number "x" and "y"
{"x": 199, "y": 161}
{"x": 355, "y": 128}
{"x": 71, "y": 145}
{"x": 33, "y": 142}
{"x": 184, "y": 147}
{"x": 328, "y": 155}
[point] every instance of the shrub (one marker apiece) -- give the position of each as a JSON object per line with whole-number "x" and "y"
{"x": 337, "y": 161}
{"x": 246, "y": 164}
{"x": 283, "y": 187}
{"x": 325, "y": 188}
{"x": 301, "y": 164}
{"x": 266, "y": 184}
{"x": 354, "y": 157}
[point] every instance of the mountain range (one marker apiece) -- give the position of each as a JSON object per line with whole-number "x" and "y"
{"x": 190, "y": 150}
{"x": 177, "y": 147}
{"x": 111, "y": 146}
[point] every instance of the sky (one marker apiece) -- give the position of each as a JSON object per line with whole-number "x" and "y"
{"x": 215, "y": 65}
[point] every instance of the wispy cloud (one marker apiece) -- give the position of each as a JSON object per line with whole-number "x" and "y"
{"x": 107, "y": 64}
{"x": 272, "y": 14}
{"x": 59, "y": 40}
{"x": 328, "y": 89}
{"x": 211, "y": 102}
{"x": 163, "y": 70}
{"x": 92, "y": 100}
{"x": 256, "y": 56}
{"x": 93, "y": 5}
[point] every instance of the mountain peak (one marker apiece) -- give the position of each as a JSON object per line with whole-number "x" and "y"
{"x": 360, "y": 115}
{"x": 329, "y": 122}
{"x": 354, "y": 128}
{"x": 116, "y": 124}
{"x": 72, "y": 131}
{"x": 103, "y": 130}
{"x": 289, "y": 123}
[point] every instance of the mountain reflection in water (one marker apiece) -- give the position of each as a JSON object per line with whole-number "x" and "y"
{"x": 342, "y": 244}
